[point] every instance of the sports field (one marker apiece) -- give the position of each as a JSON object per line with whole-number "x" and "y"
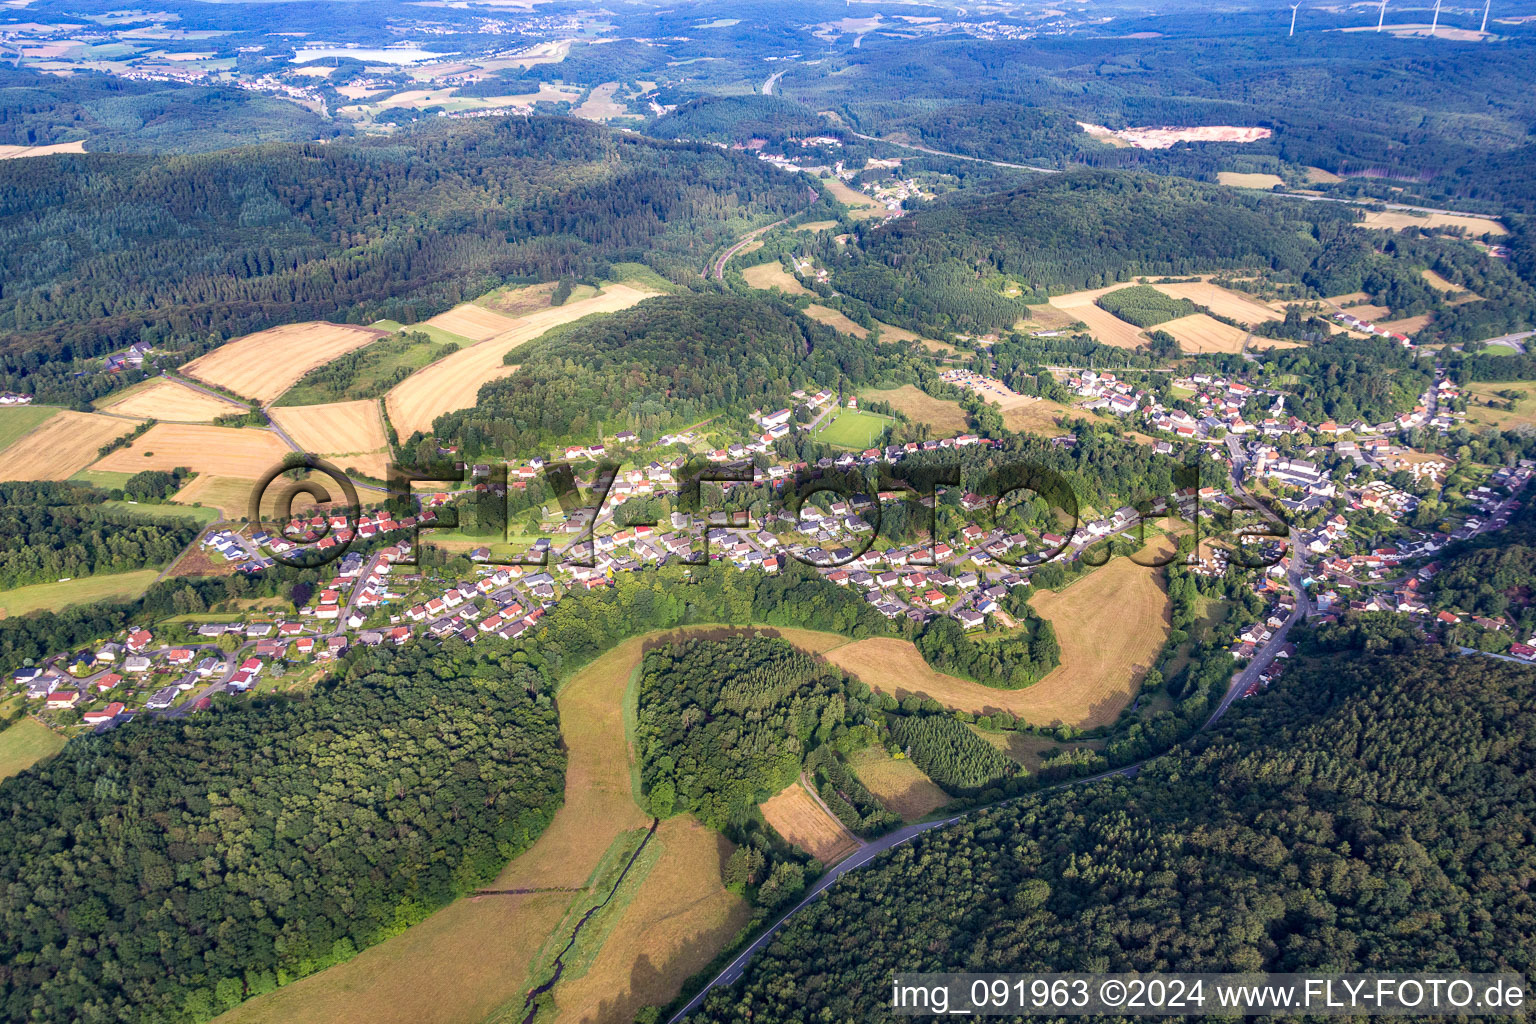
{"x": 1242, "y": 308}
{"x": 334, "y": 428}
{"x": 61, "y": 445}
{"x": 898, "y": 784}
{"x": 944, "y": 416}
{"x": 245, "y": 453}
{"x": 796, "y": 816}
{"x": 265, "y": 364}
{"x": 85, "y": 590}
{"x": 24, "y": 743}
{"x": 170, "y": 401}
{"x": 853, "y": 428}
{"x": 454, "y": 381}
{"x": 834, "y": 319}
{"x": 773, "y": 275}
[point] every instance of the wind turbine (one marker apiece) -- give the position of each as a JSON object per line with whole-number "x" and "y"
{"x": 1294, "y": 8}
{"x": 1436, "y": 23}
{"x": 1383, "y": 16}
{"x": 1486, "y": 4}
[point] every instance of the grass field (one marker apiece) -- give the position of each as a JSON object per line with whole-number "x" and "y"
{"x": 61, "y": 446}
{"x": 898, "y": 784}
{"x": 245, "y": 453}
{"x": 890, "y": 332}
{"x": 773, "y": 275}
{"x": 1110, "y": 625}
{"x": 170, "y": 401}
{"x": 1264, "y": 181}
{"x": 1396, "y": 220}
{"x": 202, "y": 516}
{"x": 380, "y": 365}
{"x": 17, "y": 421}
{"x": 229, "y": 496}
{"x": 53, "y": 596}
{"x": 1046, "y": 317}
{"x": 1453, "y": 293}
{"x": 796, "y": 816}
{"x": 265, "y": 364}
{"x": 1480, "y": 394}
{"x": 1039, "y": 416}
{"x": 1409, "y": 325}
{"x": 1240, "y": 307}
{"x": 24, "y": 743}
{"x": 943, "y": 416}
{"x": 472, "y": 321}
{"x": 1200, "y": 333}
{"x": 1028, "y": 749}
{"x": 334, "y": 428}
{"x": 516, "y": 300}
{"x": 834, "y": 319}
{"x": 860, "y": 205}
{"x": 453, "y": 382}
{"x": 815, "y": 225}
{"x": 853, "y": 428}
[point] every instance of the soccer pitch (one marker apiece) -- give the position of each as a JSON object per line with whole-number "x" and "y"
{"x": 852, "y": 428}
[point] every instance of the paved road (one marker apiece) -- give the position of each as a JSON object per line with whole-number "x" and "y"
{"x": 954, "y": 156}
{"x": 768, "y": 85}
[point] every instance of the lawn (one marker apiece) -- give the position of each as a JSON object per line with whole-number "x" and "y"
{"x": 853, "y": 428}
{"x": 102, "y": 478}
{"x": 24, "y": 744}
{"x": 53, "y": 596}
{"x": 19, "y": 420}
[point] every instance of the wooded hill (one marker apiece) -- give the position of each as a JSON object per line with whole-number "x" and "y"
{"x": 1369, "y": 813}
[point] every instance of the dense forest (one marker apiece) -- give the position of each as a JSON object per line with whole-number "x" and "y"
{"x": 1368, "y": 813}
{"x": 50, "y": 531}
{"x": 949, "y": 753}
{"x": 284, "y": 838}
{"x": 1010, "y": 661}
{"x": 105, "y": 250}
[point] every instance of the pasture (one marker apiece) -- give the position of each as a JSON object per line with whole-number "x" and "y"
{"x": 943, "y": 416}
{"x": 852, "y": 428}
{"x": 170, "y": 401}
{"x": 1396, "y": 220}
{"x": 85, "y": 590}
{"x": 1242, "y": 308}
{"x": 834, "y": 319}
{"x": 1480, "y": 414}
{"x": 773, "y": 275}
{"x": 25, "y": 742}
{"x": 796, "y": 816}
{"x": 454, "y": 381}
{"x": 890, "y": 332}
{"x": 338, "y": 427}
{"x": 899, "y": 785}
{"x": 245, "y": 453}
{"x": 61, "y": 445}
{"x": 1200, "y": 333}
{"x": 265, "y": 364}
{"x": 600, "y": 104}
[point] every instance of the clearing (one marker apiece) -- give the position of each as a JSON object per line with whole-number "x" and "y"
{"x": 1409, "y": 325}
{"x": 61, "y": 445}
{"x": 170, "y": 401}
{"x": 265, "y": 364}
{"x": 944, "y": 416}
{"x": 834, "y": 319}
{"x": 515, "y": 300}
{"x": 335, "y": 428}
{"x": 1454, "y": 293}
{"x": 1396, "y": 220}
{"x": 24, "y": 743}
{"x": 1039, "y": 415}
{"x": 898, "y": 784}
{"x": 84, "y": 590}
{"x": 1264, "y": 181}
{"x": 1239, "y": 307}
{"x": 600, "y": 104}
{"x": 454, "y": 381}
{"x": 773, "y": 275}
{"x": 798, "y": 817}
{"x": 243, "y": 452}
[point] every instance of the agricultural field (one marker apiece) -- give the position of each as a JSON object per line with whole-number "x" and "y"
{"x": 1454, "y": 294}
{"x": 245, "y": 453}
{"x": 834, "y": 319}
{"x": 773, "y": 275}
{"x": 454, "y": 381}
{"x": 24, "y": 743}
{"x": 61, "y": 446}
{"x": 1396, "y": 220}
{"x": 796, "y": 816}
{"x": 21, "y": 152}
{"x": 1045, "y": 317}
{"x": 899, "y": 785}
{"x": 515, "y": 300}
{"x": 1264, "y": 181}
{"x": 1242, "y": 308}
{"x": 229, "y": 496}
{"x": 85, "y": 590}
{"x": 1200, "y": 333}
{"x": 170, "y": 401}
{"x": 265, "y": 364}
{"x": 600, "y": 104}
{"x": 336, "y": 428}
{"x": 852, "y": 428}
{"x": 813, "y": 226}
{"x": 1366, "y": 311}
{"x": 472, "y": 321}
{"x": 19, "y": 420}
{"x": 943, "y": 416}
{"x": 1103, "y": 325}
{"x": 860, "y": 205}
{"x": 1409, "y": 325}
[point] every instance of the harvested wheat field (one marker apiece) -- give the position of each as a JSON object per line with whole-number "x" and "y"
{"x": 231, "y": 496}
{"x": 943, "y": 416}
{"x": 1243, "y": 308}
{"x": 21, "y": 152}
{"x": 172, "y": 402}
{"x": 1396, "y": 220}
{"x": 1103, "y": 325}
{"x": 1110, "y": 625}
{"x": 795, "y": 815}
{"x": 1264, "y": 181}
{"x": 472, "y": 321}
{"x": 1454, "y": 294}
{"x": 898, "y": 784}
{"x": 681, "y": 917}
{"x": 1200, "y": 333}
{"x": 1366, "y": 311}
{"x": 265, "y": 364}
{"x": 454, "y": 381}
{"x": 334, "y": 427}
{"x": 773, "y": 275}
{"x": 1409, "y": 325}
{"x": 61, "y": 446}
{"x": 217, "y": 451}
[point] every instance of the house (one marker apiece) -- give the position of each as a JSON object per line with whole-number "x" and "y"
{"x": 61, "y": 699}
{"x": 139, "y": 640}
{"x": 970, "y": 618}
{"x": 103, "y": 715}
{"x": 136, "y": 664}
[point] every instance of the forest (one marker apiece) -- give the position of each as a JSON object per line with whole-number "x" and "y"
{"x": 50, "y": 531}
{"x": 284, "y": 839}
{"x": 1366, "y": 813}
{"x": 1144, "y": 305}
{"x": 949, "y": 753}
{"x": 1009, "y": 661}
